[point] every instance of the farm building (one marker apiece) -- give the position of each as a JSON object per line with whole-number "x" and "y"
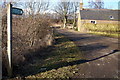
{"x": 99, "y": 16}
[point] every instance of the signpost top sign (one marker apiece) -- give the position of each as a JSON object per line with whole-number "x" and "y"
{"x": 17, "y": 11}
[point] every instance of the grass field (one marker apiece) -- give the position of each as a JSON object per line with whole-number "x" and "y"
{"x": 111, "y": 30}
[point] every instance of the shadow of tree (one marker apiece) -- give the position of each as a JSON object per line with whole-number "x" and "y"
{"x": 79, "y": 39}
{"x": 46, "y": 54}
{"x": 63, "y": 64}
{"x": 36, "y": 59}
{"x": 92, "y": 47}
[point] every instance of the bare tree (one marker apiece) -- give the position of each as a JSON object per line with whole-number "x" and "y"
{"x": 64, "y": 9}
{"x": 30, "y": 7}
{"x": 33, "y": 7}
{"x": 42, "y": 6}
{"x": 75, "y": 8}
{"x": 97, "y": 4}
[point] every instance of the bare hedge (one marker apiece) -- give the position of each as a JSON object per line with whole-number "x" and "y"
{"x": 29, "y": 34}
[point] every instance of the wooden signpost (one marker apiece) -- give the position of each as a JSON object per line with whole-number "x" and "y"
{"x": 10, "y": 11}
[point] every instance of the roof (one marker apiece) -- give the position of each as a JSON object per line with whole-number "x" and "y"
{"x": 100, "y": 14}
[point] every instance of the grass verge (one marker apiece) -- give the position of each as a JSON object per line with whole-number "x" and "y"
{"x": 104, "y": 29}
{"x": 56, "y": 64}
{"x": 115, "y": 35}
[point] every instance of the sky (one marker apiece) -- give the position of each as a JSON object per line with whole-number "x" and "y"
{"x": 109, "y": 4}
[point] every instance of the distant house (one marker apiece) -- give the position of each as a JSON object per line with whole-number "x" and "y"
{"x": 99, "y": 16}
{"x": 96, "y": 16}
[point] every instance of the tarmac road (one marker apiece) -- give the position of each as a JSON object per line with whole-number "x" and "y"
{"x": 101, "y": 54}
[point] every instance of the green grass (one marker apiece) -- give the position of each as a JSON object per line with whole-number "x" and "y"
{"x": 56, "y": 64}
{"x": 110, "y": 30}
{"x": 105, "y": 34}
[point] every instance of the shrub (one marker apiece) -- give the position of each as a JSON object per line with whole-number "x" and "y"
{"x": 29, "y": 35}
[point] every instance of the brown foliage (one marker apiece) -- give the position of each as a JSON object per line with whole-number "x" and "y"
{"x": 29, "y": 34}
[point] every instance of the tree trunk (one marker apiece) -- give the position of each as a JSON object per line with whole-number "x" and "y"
{"x": 74, "y": 22}
{"x": 65, "y": 22}
{"x": 79, "y": 22}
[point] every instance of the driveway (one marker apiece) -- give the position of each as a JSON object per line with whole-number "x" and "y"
{"x": 101, "y": 54}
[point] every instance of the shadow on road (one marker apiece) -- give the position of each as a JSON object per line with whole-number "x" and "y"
{"x": 92, "y": 47}
{"x": 63, "y": 64}
{"x": 84, "y": 61}
{"x": 87, "y": 43}
{"x": 85, "y": 48}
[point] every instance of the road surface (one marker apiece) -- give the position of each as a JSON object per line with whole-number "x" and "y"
{"x": 100, "y": 52}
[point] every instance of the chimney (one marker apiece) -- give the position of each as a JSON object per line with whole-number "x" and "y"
{"x": 81, "y": 4}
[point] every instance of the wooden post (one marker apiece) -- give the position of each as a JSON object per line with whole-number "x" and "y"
{"x": 9, "y": 38}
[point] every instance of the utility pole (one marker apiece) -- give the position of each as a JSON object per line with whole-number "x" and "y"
{"x": 9, "y": 38}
